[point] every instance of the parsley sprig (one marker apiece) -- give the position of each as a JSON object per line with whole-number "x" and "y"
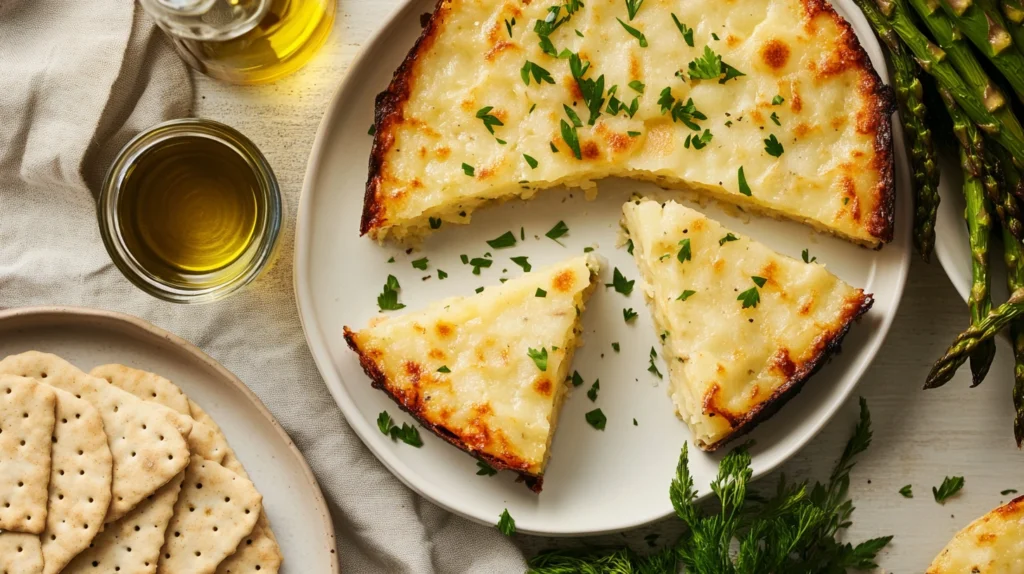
{"x": 406, "y": 433}
{"x": 592, "y": 90}
{"x": 388, "y": 299}
{"x": 711, "y": 67}
{"x": 488, "y": 118}
{"x": 632, "y": 7}
{"x": 792, "y": 529}
{"x": 950, "y": 486}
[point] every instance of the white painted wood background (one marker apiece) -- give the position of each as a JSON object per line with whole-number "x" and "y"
{"x": 920, "y": 437}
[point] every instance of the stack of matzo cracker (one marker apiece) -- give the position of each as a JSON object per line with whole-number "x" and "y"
{"x": 118, "y": 471}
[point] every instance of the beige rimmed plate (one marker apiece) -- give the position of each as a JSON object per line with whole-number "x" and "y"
{"x": 291, "y": 495}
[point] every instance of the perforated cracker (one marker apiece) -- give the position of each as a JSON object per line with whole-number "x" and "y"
{"x": 145, "y": 385}
{"x": 216, "y": 510}
{"x": 80, "y": 478}
{"x": 20, "y": 554}
{"x": 132, "y": 545}
{"x": 26, "y": 424}
{"x": 146, "y": 440}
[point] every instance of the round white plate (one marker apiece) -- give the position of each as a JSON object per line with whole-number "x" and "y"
{"x": 596, "y": 481}
{"x": 291, "y": 495}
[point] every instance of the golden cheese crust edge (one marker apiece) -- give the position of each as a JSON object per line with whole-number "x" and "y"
{"x": 389, "y": 104}
{"x": 798, "y": 374}
{"x": 379, "y": 381}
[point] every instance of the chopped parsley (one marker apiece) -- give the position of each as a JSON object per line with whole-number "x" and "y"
{"x": 711, "y": 67}
{"x": 777, "y": 100}
{"x": 592, "y": 393}
{"x": 522, "y": 262}
{"x": 744, "y": 188}
{"x": 615, "y": 347}
{"x": 444, "y": 369}
{"x": 539, "y": 74}
{"x": 420, "y": 264}
{"x": 632, "y": 134}
{"x": 634, "y": 33}
{"x": 392, "y": 260}
{"x": 620, "y": 284}
{"x": 484, "y": 469}
{"x": 685, "y": 30}
{"x": 615, "y": 106}
{"x": 406, "y": 433}
{"x": 372, "y": 130}
{"x": 698, "y": 141}
{"x": 686, "y": 295}
{"x": 775, "y": 118}
{"x": 532, "y": 162}
{"x": 648, "y": 536}
{"x": 479, "y": 289}
{"x": 388, "y": 299}
{"x": 578, "y": 33}
{"x": 384, "y": 422}
{"x": 540, "y": 293}
{"x": 637, "y": 86}
{"x": 557, "y": 231}
{"x": 572, "y": 139}
{"x": 435, "y": 222}
{"x": 759, "y": 281}
{"x": 1008, "y": 491}
{"x": 508, "y": 26}
{"x": 592, "y": 90}
{"x": 468, "y": 169}
{"x": 478, "y": 263}
{"x": 596, "y": 419}
{"x": 553, "y": 148}
{"x": 465, "y": 260}
{"x": 489, "y": 120}
{"x": 907, "y": 492}
{"x": 751, "y": 297}
{"x": 728, "y": 237}
{"x": 684, "y": 251}
{"x": 629, "y": 314}
{"x": 573, "y": 117}
{"x": 685, "y": 113}
{"x": 507, "y": 524}
{"x": 806, "y": 255}
{"x": 540, "y": 358}
{"x": 652, "y": 368}
{"x": 577, "y": 380}
{"x": 773, "y": 146}
{"x": 506, "y": 239}
{"x": 632, "y": 7}
{"x": 629, "y": 246}
{"x": 949, "y": 487}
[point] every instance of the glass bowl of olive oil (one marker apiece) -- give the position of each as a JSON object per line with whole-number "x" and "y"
{"x": 190, "y": 211}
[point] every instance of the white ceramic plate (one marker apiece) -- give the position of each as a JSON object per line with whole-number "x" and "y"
{"x": 597, "y": 481}
{"x": 291, "y": 496}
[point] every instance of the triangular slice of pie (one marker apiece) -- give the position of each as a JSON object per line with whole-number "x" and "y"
{"x": 743, "y": 326}
{"x": 992, "y": 544}
{"x": 488, "y": 372}
{"x": 769, "y": 104}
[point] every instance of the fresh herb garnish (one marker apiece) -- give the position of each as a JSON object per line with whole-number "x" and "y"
{"x": 539, "y": 74}
{"x": 698, "y": 141}
{"x": 444, "y": 369}
{"x": 392, "y": 260}
{"x": 684, "y": 251}
{"x": 632, "y": 134}
{"x": 634, "y": 33}
{"x": 522, "y": 262}
{"x": 596, "y": 419}
{"x": 468, "y": 169}
{"x": 637, "y": 86}
{"x": 508, "y": 26}
{"x": 577, "y": 380}
{"x": 685, "y": 113}
{"x": 620, "y": 284}
{"x": 632, "y": 7}
{"x": 489, "y": 120}
{"x": 540, "y": 358}
{"x": 686, "y": 295}
{"x": 435, "y": 222}
{"x": 806, "y": 255}
{"x": 485, "y": 469}
{"x": 540, "y": 293}
{"x": 372, "y": 130}
{"x": 728, "y": 237}
{"x": 950, "y": 486}
{"x": 420, "y": 264}
{"x": 759, "y": 281}
{"x": 1008, "y": 491}
{"x": 384, "y": 422}
{"x": 572, "y": 139}
{"x": 506, "y": 524}
{"x": 478, "y": 263}
{"x": 479, "y": 289}
{"x": 406, "y": 433}
{"x": 506, "y": 239}
{"x": 464, "y": 258}
{"x": 557, "y": 231}
{"x": 629, "y": 314}
{"x": 773, "y": 146}
{"x": 777, "y": 100}
{"x": 685, "y": 30}
{"x": 907, "y": 492}
{"x": 751, "y": 297}
{"x": 615, "y": 106}
{"x": 388, "y": 299}
{"x": 615, "y": 347}
{"x": 592, "y": 90}
{"x": 652, "y": 368}
{"x": 573, "y": 117}
{"x": 744, "y": 188}
{"x": 775, "y": 118}
{"x": 711, "y": 67}
{"x": 592, "y": 393}
{"x": 529, "y": 160}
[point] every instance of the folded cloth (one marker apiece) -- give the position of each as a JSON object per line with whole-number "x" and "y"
{"x": 77, "y": 80}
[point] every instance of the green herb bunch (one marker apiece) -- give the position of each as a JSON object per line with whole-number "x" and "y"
{"x": 790, "y": 531}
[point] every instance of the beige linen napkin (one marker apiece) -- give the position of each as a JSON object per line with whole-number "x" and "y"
{"x": 77, "y": 80}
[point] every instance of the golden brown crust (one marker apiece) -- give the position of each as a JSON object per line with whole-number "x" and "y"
{"x": 412, "y": 406}
{"x": 827, "y": 345}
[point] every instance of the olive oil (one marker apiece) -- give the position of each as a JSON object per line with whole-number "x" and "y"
{"x": 188, "y": 207}
{"x": 283, "y": 41}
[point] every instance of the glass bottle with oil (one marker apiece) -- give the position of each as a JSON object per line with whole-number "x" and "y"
{"x": 245, "y": 41}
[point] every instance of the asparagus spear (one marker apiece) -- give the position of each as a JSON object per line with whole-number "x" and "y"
{"x": 979, "y": 225}
{"x": 1014, "y": 12}
{"x": 1004, "y": 128}
{"x": 913, "y": 114}
{"x": 968, "y": 341}
{"x": 984, "y": 26}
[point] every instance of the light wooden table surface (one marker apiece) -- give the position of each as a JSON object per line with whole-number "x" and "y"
{"x": 919, "y": 437}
